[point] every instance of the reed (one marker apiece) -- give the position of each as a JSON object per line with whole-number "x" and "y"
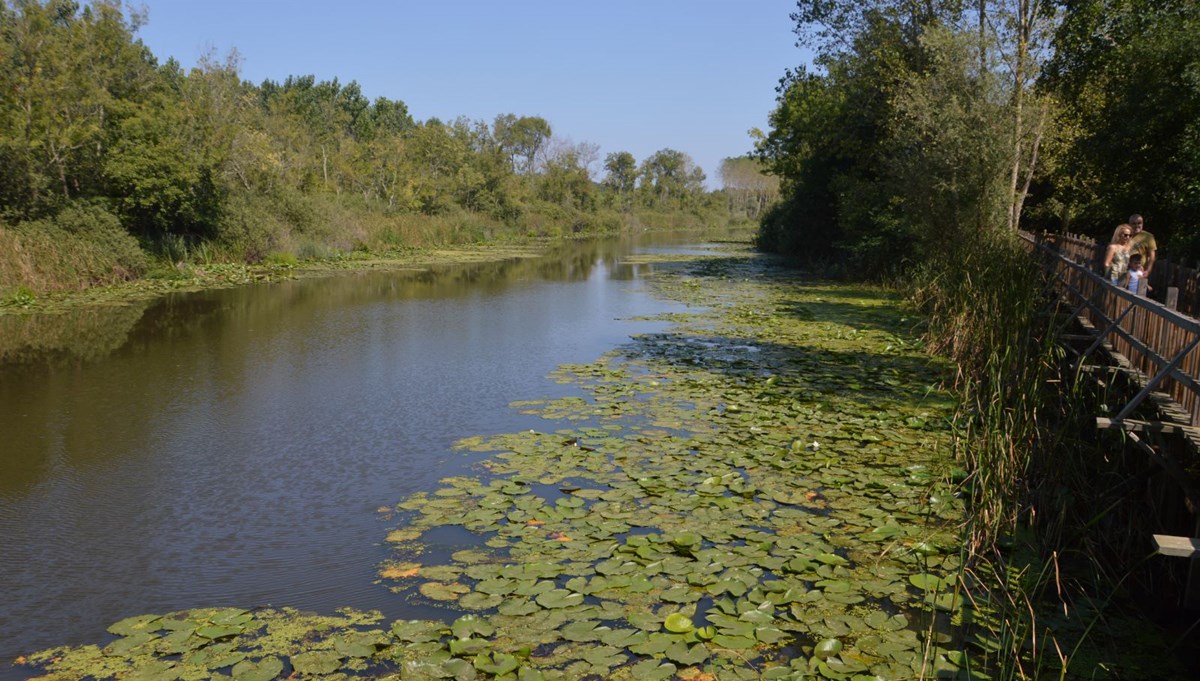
{"x": 1049, "y": 598}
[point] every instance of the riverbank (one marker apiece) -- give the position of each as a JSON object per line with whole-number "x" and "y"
{"x": 182, "y": 277}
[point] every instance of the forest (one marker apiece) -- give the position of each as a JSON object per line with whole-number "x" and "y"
{"x": 923, "y": 125}
{"x": 112, "y": 164}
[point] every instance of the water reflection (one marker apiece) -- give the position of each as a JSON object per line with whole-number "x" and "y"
{"x": 232, "y": 447}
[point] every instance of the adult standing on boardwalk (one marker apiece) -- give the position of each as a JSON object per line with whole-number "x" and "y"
{"x": 1116, "y": 258}
{"x": 1144, "y": 244}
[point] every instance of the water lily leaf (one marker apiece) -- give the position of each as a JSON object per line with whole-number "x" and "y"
{"x": 559, "y": 598}
{"x": 680, "y": 594}
{"x": 417, "y": 631}
{"x": 497, "y": 664}
{"x": 216, "y": 631}
{"x": 133, "y": 625}
{"x": 464, "y": 647}
{"x": 827, "y": 648}
{"x": 652, "y": 670}
{"x": 154, "y": 670}
{"x": 734, "y": 642}
{"x": 358, "y": 645}
{"x": 622, "y": 638}
{"x": 265, "y": 669}
{"x": 945, "y": 602}
{"x": 606, "y": 657}
{"x": 646, "y": 621}
{"x": 499, "y": 586}
{"x": 124, "y": 646}
{"x": 678, "y": 623}
{"x": 583, "y": 631}
{"x": 831, "y": 559}
{"x": 516, "y": 607}
{"x": 234, "y": 616}
{"x": 926, "y": 581}
{"x": 684, "y": 654}
{"x": 478, "y": 601}
{"x": 471, "y": 625}
{"x": 444, "y": 591}
{"x": 317, "y": 662}
{"x": 770, "y": 635}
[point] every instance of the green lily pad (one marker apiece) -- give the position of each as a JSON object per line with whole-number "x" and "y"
{"x": 498, "y": 664}
{"x": 444, "y": 591}
{"x": 678, "y": 623}
{"x": 417, "y": 631}
{"x": 317, "y": 662}
{"x": 266, "y": 669}
{"x": 559, "y": 598}
{"x": 827, "y": 648}
{"x": 653, "y": 670}
{"x": 468, "y": 647}
{"x": 134, "y": 625}
{"x": 684, "y": 654}
{"x": 471, "y": 625}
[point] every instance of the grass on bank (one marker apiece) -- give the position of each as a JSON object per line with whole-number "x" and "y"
{"x": 84, "y": 249}
{"x": 1040, "y": 483}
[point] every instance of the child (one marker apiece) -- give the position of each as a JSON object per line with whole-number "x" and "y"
{"x": 1135, "y": 273}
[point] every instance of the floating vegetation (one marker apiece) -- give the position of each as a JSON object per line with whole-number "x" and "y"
{"x": 763, "y": 492}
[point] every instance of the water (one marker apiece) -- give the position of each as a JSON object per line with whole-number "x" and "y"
{"x": 234, "y": 447}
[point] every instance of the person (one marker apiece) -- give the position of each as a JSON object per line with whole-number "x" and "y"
{"x": 1116, "y": 258}
{"x": 1135, "y": 273}
{"x": 1144, "y": 244}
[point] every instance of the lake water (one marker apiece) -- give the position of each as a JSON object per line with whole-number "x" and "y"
{"x": 233, "y": 447}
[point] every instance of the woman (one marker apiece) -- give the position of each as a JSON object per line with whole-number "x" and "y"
{"x": 1116, "y": 258}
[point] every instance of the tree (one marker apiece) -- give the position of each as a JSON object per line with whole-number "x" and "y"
{"x": 749, "y": 187}
{"x": 66, "y": 71}
{"x": 521, "y": 139}
{"x": 670, "y": 176}
{"x": 1126, "y": 74}
{"x": 621, "y": 167}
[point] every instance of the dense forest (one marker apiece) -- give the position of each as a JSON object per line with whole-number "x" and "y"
{"x": 923, "y": 124}
{"x": 111, "y": 162}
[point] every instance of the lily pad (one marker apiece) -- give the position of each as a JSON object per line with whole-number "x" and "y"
{"x": 317, "y": 662}
{"x": 266, "y": 669}
{"x": 678, "y": 623}
{"x": 559, "y": 598}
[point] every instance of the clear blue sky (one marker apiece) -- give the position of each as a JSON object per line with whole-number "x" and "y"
{"x": 627, "y": 75}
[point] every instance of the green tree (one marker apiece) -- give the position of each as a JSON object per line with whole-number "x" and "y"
{"x": 670, "y": 177}
{"x": 750, "y": 189}
{"x": 622, "y": 175}
{"x": 521, "y": 139}
{"x": 1127, "y": 75}
{"x": 65, "y": 73}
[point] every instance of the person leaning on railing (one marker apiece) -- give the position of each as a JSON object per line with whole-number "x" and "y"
{"x": 1116, "y": 258}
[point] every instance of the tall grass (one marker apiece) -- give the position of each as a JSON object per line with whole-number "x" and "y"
{"x": 82, "y": 246}
{"x": 1048, "y": 586}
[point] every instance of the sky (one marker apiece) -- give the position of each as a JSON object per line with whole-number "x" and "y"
{"x": 627, "y": 75}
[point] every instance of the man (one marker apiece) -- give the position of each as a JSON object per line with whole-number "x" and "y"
{"x": 1143, "y": 243}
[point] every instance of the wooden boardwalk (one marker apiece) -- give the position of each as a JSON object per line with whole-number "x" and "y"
{"x": 1150, "y": 347}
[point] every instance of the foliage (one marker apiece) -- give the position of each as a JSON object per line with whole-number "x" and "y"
{"x": 1129, "y": 77}
{"x": 202, "y": 161}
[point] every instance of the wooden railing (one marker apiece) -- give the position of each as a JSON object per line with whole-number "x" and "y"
{"x": 1167, "y": 274}
{"x": 1160, "y": 343}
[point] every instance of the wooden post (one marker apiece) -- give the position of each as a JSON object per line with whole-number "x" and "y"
{"x": 1172, "y": 297}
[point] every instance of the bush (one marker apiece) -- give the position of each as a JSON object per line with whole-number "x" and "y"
{"x": 79, "y": 247}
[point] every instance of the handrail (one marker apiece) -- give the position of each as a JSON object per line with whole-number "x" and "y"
{"x": 1159, "y": 341}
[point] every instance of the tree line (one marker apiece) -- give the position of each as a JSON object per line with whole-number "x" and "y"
{"x": 101, "y": 143}
{"x": 923, "y": 123}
